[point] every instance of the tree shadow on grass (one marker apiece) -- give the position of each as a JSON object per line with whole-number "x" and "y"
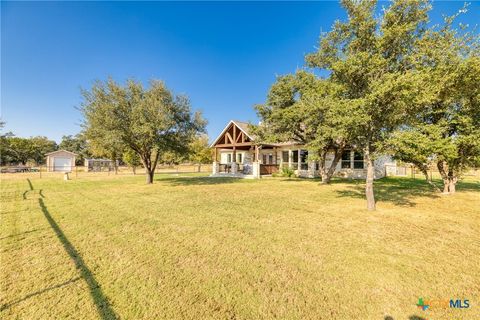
{"x": 191, "y": 181}
{"x": 412, "y": 317}
{"x": 22, "y": 233}
{"x": 104, "y": 309}
{"x": 28, "y": 296}
{"x": 401, "y": 191}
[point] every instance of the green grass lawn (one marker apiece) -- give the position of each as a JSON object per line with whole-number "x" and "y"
{"x": 204, "y": 248}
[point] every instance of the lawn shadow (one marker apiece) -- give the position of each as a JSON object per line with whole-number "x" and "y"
{"x": 22, "y": 233}
{"x": 191, "y": 181}
{"x": 30, "y": 184}
{"x": 104, "y": 309}
{"x": 412, "y": 317}
{"x": 399, "y": 191}
{"x": 28, "y": 296}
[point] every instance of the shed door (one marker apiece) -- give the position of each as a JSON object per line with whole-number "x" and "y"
{"x": 62, "y": 164}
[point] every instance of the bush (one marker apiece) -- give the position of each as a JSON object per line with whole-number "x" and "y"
{"x": 287, "y": 172}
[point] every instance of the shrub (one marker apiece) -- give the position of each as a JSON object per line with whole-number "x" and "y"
{"x": 287, "y": 172}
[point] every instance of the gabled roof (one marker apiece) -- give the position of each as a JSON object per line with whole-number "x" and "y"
{"x": 50, "y": 153}
{"x": 243, "y": 126}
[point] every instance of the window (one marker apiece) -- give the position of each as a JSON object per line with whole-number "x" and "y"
{"x": 264, "y": 159}
{"x": 303, "y": 159}
{"x": 229, "y": 158}
{"x": 358, "y": 160}
{"x": 285, "y": 156}
{"x": 270, "y": 158}
{"x": 295, "y": 156}
{"x": 346, "y": 160}
{"x": 239, "y": 158}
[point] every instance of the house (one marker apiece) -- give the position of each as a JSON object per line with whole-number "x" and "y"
{"x": 61, "y": 160}
{"x": 237, "y": 155}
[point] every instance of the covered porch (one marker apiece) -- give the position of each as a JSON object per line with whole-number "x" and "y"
{"x": 237, "y": 155}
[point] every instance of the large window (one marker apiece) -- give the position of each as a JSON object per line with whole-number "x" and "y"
{"x": 346, "y": 160}
{"x": 303, "y": 159}
{"x": 229, "y": 157}
{"x": 295, "y": 156}
{"x": 264, "y": 159}
{"x": 285, "y": 156}
{"x": 239, "y": 158}
{"x": 358, "y": 160}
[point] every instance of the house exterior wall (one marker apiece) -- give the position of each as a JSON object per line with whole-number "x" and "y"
{"x": 246, "y": 156}
{"x": 308, "y": 169}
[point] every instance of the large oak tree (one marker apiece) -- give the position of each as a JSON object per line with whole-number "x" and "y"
{"x": 306, "y": 109}
{"x": 149, "y": 121}
{"x": 444, "y": 130}
{"x": 370, "y": 59}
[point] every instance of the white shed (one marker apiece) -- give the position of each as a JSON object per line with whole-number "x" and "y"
{"x": 61, "y": 160}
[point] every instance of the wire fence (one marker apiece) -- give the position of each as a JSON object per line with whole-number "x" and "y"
{"x": 413, "y": 172}
{"x": 81, "y": 171}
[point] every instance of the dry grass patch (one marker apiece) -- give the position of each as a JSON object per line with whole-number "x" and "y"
{"x": 203, "y": 248}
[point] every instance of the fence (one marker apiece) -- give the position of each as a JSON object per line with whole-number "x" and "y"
{"x": 81, "y": 171}
{"x": 414, "y": 172}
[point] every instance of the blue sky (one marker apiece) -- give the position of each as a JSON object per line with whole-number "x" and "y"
{"x": 223, "y": 55}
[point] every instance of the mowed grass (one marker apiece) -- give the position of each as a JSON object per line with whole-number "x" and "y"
{"x": 206, "y": 248}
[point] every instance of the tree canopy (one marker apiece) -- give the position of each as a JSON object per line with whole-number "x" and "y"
{"x": 444, "y": 128}
{"x": 149, "y": 121}
{"x": 77, "y": 144}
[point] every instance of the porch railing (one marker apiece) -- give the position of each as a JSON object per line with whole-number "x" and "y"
{"x": 269, "y": 168}
{"x": 227, "y": 168}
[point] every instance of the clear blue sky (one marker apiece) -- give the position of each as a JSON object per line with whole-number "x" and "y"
{"x": 223, "y": 55}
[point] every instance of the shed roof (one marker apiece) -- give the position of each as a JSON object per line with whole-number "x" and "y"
{"x": 58, "y": 151}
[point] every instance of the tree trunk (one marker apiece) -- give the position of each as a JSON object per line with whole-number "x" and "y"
{"x": 333, "y": 165}
{"x": 451, "y": 187}
{"x": 134, "y": 169}
{"x": 452, "y": 181}
{"x": 321, "y": 166}
{"x": 148, "y": 169}
{"x": 328, "y": 174}
{"x": 150, "y": 174}
{"x": 369, "y": 180}
{"x": 442, "y": 168}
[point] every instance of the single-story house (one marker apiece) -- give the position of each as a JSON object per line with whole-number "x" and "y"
{"x": 61, "y": 160}
{"x": 237, "y": 154}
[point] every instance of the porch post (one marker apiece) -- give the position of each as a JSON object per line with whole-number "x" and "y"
{"x": 299, "y": 161}
{"x": 290, "y": 156}
{"x": 256, "y": 164}
{"x": 215, "y": 165}
{"x": 234, "y": 160}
